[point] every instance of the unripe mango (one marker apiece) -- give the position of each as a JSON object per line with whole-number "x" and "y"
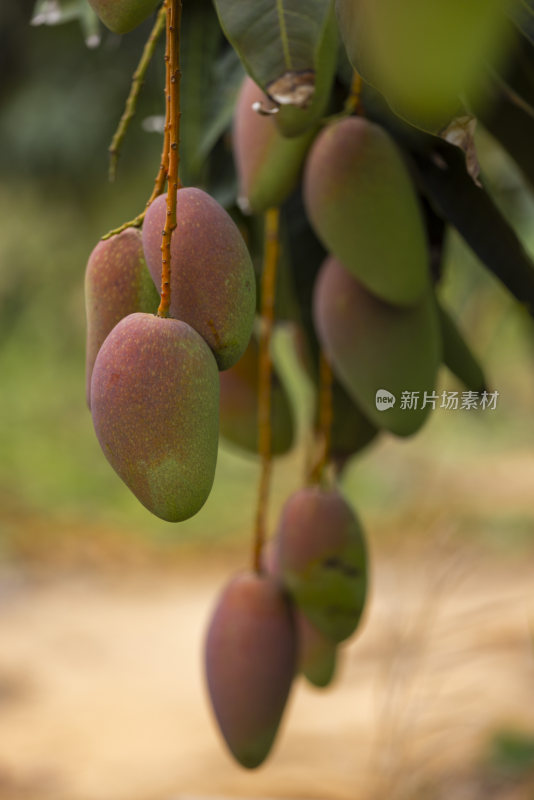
{"x": 423, "y": 55}
{"x": 239, "y": 405}
{"x": 213, "y": 286}
{"x": 122, "y": 16}
{"x": 154, "y": 401}
{"x": 117, "y": 283}
{"x": 317, "y": 653}
{"x": 250, "y": 659}
{"x": 375, "y": 346}
{"x": 322, "y": 560}
{"x": 361, "y": 203}
{"x": 268, "y": 165}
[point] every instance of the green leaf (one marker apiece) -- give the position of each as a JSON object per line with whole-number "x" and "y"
{"x": 522, "y": 12}
{"x": 211, "y": 78}
{"x": 58, "y": 12}
{"x": 442, "y": 176}
{"x": 278, "y": 42}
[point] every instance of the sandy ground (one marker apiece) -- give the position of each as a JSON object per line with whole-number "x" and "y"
{"x": 102, "y": 694}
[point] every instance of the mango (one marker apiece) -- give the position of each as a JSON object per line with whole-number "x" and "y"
{"x": 250, "y": 660}
{"x": 117, "y": 283}
{"x": 213, "y": 286}
{"x": 154, "y": 402}
{"x": 375, "y": 347}
{"x": 239, "y": 405}
{"x": 322, "y": 561}
{"x": 423, "y": 55}
{"x": 317, "y": 659}
{"x": 362, "y": 205}
{"x": 268, "y": 165}
{"x": 122, "y": 16}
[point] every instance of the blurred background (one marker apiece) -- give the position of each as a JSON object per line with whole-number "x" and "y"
{"x": 103, "y": 607}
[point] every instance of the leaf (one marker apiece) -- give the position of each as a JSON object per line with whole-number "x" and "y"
{"x": 210, "y": 83}
{"x": 522, "y": 12}
{"x": 58, "y": 12}
{"x": 443, "y": 178}
{"x": 277, "y": 41}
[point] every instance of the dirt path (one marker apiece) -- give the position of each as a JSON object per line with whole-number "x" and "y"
{"x": 102, "y": 697}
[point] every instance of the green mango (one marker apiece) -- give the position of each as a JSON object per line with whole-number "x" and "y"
{"x": 423, "y": 55}
{"x": 239, "y": 405}
{"x": 322, "y": 560}
{"x": 122, "y": 16}
{"x": 362, "y": 204}
{"x": 268, "y": 165}
{"x": 375, "y": 347}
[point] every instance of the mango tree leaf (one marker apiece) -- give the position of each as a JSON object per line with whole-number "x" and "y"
{"x": 278, "y": 43}
{"x": 58, "y": 12}
{"x": 522, "y": 12}
{"x": 443, "y": 178}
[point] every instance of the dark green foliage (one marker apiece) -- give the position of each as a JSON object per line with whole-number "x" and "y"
{"x": 154, "y": 401}
{"x": 250, "y": 660}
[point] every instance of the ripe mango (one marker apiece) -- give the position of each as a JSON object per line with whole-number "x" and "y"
{"x": 362, "y": 205}
{"x": 154, "y": 402}
{"x": 268, "y": 165}
{"x": 422, "y": 56}
{"x": 375, "y": 346}
{"x": 322, "y": 560}
{"x": 122, "y": 16}
{"x": 239, "y": 405}
{"x": 250, "y": 659}
{"x": 117, "y": 283}
{"x": 213, "y": 286}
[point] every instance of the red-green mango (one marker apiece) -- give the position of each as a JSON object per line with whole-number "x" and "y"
{"x": 155, "y": 408}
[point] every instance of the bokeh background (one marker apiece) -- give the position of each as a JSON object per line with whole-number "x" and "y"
{"x": 103, "y": 607}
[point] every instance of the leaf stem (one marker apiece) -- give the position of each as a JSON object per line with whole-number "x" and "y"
{"x": 172, "y": 121}
{"x": 268, "y": 283}
{"x": 135, "y": 89}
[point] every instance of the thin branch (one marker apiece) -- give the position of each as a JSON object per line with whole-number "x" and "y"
{"x": 174, "y": 17}
{"x": 135, "y": 89}
{"x": 268, "y": 283}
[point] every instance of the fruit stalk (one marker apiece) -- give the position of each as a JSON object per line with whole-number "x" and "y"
{"x": 174, "y": 17}
{"x": 135, "y": 89}
{"x": 268, "y": 283}
{"x": 325, "y": 419}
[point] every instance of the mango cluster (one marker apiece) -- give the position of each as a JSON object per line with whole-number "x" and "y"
{"x": 267, "y": 628}
{"x": 153, "y": 382}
